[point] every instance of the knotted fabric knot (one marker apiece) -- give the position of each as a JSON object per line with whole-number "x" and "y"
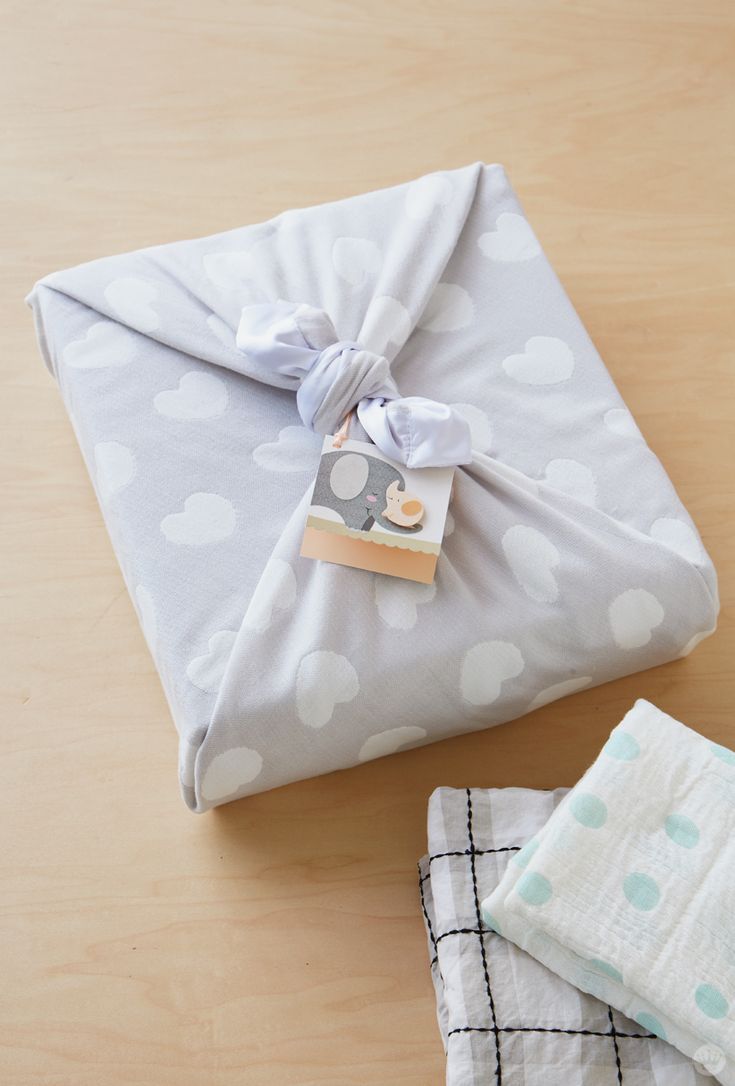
{"x": 295, "y": 346}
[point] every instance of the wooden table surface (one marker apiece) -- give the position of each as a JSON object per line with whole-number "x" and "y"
{"x": 279, "y": 940}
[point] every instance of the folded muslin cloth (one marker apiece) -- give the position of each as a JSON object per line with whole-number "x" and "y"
{"x": 505, "y": 1019}
{"x": 568, "y": 559}
{"x": 628, "y": 891}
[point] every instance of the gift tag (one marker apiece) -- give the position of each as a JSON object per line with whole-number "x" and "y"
{"x": 371, "y": 513}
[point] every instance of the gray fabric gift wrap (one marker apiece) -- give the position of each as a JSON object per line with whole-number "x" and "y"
{"x": 568, "y": 559}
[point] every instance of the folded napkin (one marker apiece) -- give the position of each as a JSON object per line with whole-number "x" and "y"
{"x": 628, "y": 891}
{"x": 198, "y": 376}
{"x": 505, "y": 1019}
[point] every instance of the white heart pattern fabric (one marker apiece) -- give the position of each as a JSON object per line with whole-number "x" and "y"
{"x": 294, "y": 449}
{"x": 511, "y": 241}
{"x": 132, "y": 302}
{"x": 199, "y": 396}
{"x": 450, "y": 308}
{"x": 116, "y": 467}
{"x": 533, "y": 559}
{"x": 207, "y": 671}
{"x": 205, "y": 519}
{"x": 486, "y": 667}
{"x": 545, "y": 360}
{"x": 398, "y": 601}
{"x": 356, "y": 260}
{"x": 324, "y": 680}
{"x": 105, "y": 344}
{"x": 568, "y": 559}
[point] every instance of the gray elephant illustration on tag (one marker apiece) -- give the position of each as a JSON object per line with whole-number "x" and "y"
{"x": 364, "y": 491}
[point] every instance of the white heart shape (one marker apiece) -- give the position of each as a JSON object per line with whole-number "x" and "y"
{"x": 449, "y": 308}
{"x": 275, "y": 591}
{"x": 388, "y": 742}
{"x": 297, "y": 449}
{"x": 147, "y": 615}
{"x": 229, "y": 772}
{"x": 619, "y": 421}
{"x": 696, "y": 640}
{"x": 199, "y": 396}
{"x": 115, "y": 467}
{"x": 228, "y": 271}
{"x": 559, "y": 690}
{"x": 355, "y": 259}
{"x": 187, "y": 762}
{"x": 634, "y": 615}
{"x": 387, "y": 322}
{"x": 131, "y": 298}
{"x": 517, "y": 478}
{"x": 221, "y": 330}
{"x": 480, "y": 430}
{"x": 511, "y": 241}
{"x": 207, "y": 518}
{"x": 545, "y": 360}
{"x": 106, "y": 344}
{"x": 397, "y": 601}
{"x": 207, "y": 671}
{"x": 486, "y": 666}
{"x": 323, "y": 680}
{"x": 532, "y": 558}
{"x": 572, "y": 478}
{"x": 678, "y": 536}
{"x": 427, "y": 195}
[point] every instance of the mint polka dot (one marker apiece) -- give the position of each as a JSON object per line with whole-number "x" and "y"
{"x": 711, "y": 1001}
{"x": 589, "y": 810}
{"x": 652, "y": 1024}
{"x": 623, "y": 746}
{"x": 523, "y": 858}
{"x": 682, "y": 830}
{"x": 725, "y": 755}
{"x": 534, "y": 888}
{"x": 641, "y": 891}
{"x": 491, "y": 922}
{"x": 605, "y": 967}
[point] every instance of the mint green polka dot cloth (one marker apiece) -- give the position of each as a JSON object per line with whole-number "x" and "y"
{"x": 628, "y": 891}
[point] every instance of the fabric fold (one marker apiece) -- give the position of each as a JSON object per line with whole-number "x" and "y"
{"x": 332, "y": 377}
{"x": 568, "y": 561}
{"x": 627, "y": 890}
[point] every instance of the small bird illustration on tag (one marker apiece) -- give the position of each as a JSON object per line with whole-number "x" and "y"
{"x": 402, "y": 508}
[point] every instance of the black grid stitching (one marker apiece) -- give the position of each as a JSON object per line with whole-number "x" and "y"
{"x": 481, "y": 931}
{"x": 463, "y": 852}
{"x": 614, "y": 1035}
{"x": 455, "y": 931}
{"x": 429, "y": 928}
{"x": 475, "y": 851}
{"x": 478, "y": 915}
{"x": 554, "y": 1029}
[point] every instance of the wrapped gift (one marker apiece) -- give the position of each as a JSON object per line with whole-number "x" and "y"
{"x": 204, "y": 380}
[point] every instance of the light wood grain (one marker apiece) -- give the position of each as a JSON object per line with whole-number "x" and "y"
{"x": 278, "y": 941}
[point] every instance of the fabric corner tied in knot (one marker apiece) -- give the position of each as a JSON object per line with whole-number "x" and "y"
{"x": 297, "y": 345}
